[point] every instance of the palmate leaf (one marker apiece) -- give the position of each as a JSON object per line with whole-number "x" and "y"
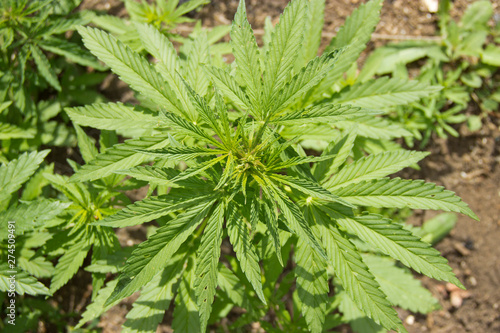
{"x": 312, "y": 285}
{"x": 112, "y": 116}
{"x": 149, "y": 258}
{"x": 152, "y": 208}
{"x": 373, "y": 167}
{"x": 130, "y": 66}
{"x": 401, "y": 288}
{"x": 18, "y": 171}
{"x": 246, "y": 54}
{"x": 399, "y": 193}
{"x": 120, "y": 156}
{"x": 149, "y": 309}
{"x": 384, "y": 92}
{"x": 397, "y": 242}
{"x": 25, "y": 284}
{"x": 207, "y": 262}
{"x": 354, "y": 275}
{"x": 246, "y": 159}
{"x": 240, "y": 238}
{"x": 283, "y": 50}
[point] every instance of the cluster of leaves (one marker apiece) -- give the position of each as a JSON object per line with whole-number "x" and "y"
{"x": 34, "y": 52}
{"x": 464, "y": 61}
{"x": 33, "y": 216}
{"x": 41, "y": 72}
{"x": 165, "y": 15}
{"x": 87, "y": 202}
{"x": 222, "y": 146}
{"x": 47, "y": 230}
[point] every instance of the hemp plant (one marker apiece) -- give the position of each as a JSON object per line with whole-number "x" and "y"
{"x": 165, "y": 15}
{"x": 211, "y": 142}
{"x": 39, "y": 58}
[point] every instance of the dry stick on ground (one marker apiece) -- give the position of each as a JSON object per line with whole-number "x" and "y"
{"x": 329, "y": 35}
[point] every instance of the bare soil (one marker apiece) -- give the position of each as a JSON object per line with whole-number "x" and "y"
{"x": 469, "y": 166}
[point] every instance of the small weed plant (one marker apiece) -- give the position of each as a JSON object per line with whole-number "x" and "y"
{"x": 26, "y": 225}
{"x": 221, "y": 147}
{"x": 464, "y": 61}
{"x": 165, "y": 15}
{"x": 38, "y": 70}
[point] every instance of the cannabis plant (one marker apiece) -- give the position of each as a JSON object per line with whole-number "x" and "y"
{"x": 165, "y": 15}
{"x": 343, "y": 85}
{"x": 34, "y": 51}
{"x": 87, "y": 202}
{"x": 464, "y": 62}
{"x": 25, "y": 219}
{"x": 215, "y": 138}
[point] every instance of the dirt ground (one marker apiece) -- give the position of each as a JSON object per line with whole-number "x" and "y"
{"x": 468, "y": 165}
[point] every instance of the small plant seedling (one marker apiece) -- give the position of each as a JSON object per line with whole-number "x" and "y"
{"x": 464, "y": 61}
